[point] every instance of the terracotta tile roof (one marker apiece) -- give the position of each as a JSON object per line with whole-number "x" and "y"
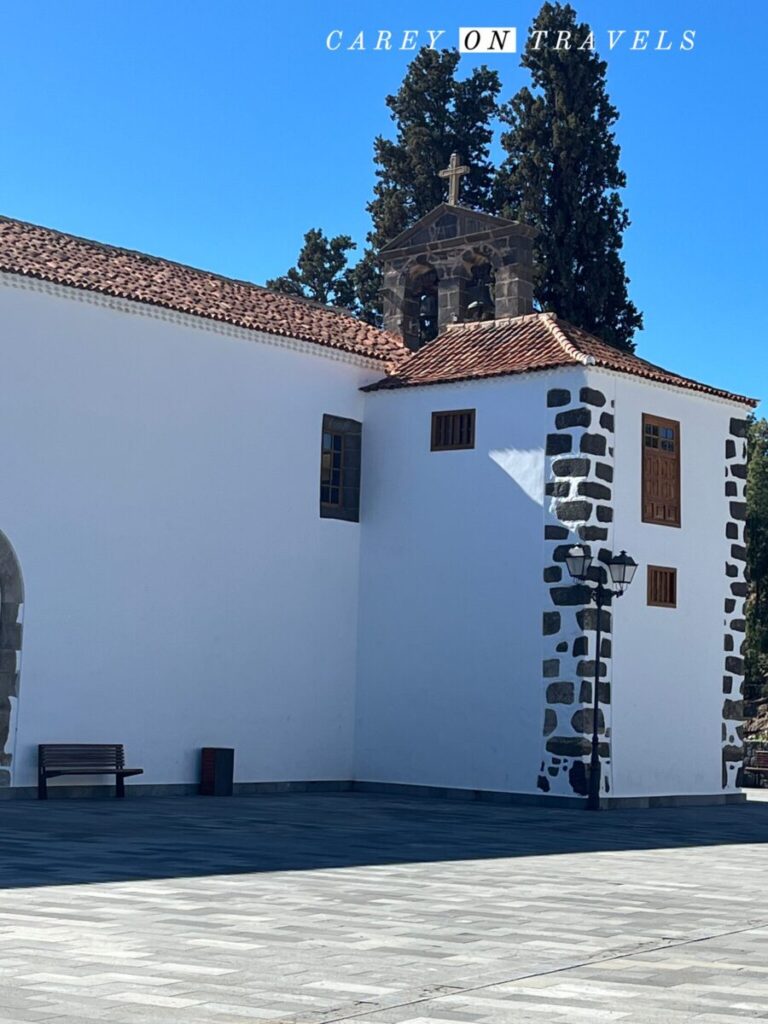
{"x": 78, "y": 263}
{"x": 539, "y": 341}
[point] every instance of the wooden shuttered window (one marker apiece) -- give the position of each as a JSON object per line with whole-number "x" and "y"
{"x": 661, "y": 471}
{"x": 453, "y": 430}
{"x": 340, "y": 469}
{"x": 662, "y": 586}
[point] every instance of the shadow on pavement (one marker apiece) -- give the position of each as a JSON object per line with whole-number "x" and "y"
{"x": 99, "y": 840}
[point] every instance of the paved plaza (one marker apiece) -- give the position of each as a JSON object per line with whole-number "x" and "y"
{"x": 335, "y": 907}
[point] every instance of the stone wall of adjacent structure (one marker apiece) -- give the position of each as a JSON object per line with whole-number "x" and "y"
{"x": 735, "y": 593}
{"x": 11, "y": 608}
{"x": 578, "y": 510}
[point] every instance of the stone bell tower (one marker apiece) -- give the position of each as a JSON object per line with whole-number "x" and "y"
{"x": 455, "y": 265}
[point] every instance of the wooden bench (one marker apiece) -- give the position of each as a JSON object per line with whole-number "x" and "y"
{"x": 759, "y": 767}
{"x": 55, "y": 759}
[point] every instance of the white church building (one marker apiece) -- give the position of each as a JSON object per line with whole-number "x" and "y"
{"x": 235, "y": 518}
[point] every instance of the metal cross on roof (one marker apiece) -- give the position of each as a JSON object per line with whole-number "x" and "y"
{"x": 454, "y": 172}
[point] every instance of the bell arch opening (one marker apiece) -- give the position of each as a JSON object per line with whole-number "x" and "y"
{"x": 420, "y": 304}
{"x": 479, "y": 291}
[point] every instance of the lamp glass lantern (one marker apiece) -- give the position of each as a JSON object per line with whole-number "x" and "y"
{"x": 622, "y": 568}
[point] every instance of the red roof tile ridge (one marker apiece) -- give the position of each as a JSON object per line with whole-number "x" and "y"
{"x": 565, "y": 343}
{"x": 525, "y": 344}
{"x": 69, "y": 260}
{"x": 166, "y": 261}
{"x": 610, "y": 358}
{"x": 504, "y": 321}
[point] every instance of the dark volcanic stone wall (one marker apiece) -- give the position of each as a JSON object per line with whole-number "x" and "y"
{"x": 735, "y": 592}
{"x": 578, "y": 510}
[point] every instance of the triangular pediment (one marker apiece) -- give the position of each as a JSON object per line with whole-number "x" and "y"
{"x": 444, "y": 223}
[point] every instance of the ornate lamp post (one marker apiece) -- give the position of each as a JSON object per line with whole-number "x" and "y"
{"x": 621, "y": 569}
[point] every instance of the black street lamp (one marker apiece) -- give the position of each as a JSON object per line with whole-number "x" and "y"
{"x": 621, "y": 569}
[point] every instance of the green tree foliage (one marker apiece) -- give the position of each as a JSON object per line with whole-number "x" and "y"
{"x": 366, "y": 280}
{"x": 435, "y": 114}
{"x": 321, "y": 272}
{"x": 561, "y": 174}
{"x": 756, "y": 652}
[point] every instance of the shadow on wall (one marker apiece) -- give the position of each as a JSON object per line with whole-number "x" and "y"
{"x": 65, "y": 842}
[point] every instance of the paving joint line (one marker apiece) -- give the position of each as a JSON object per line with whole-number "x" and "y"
{"x": 441, "y": 993}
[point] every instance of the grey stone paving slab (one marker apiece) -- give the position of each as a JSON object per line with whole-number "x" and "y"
{"x": 313, "y": 908}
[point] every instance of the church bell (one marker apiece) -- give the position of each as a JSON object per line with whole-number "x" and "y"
{"x": 428, "y": 306}
{"x": 480, "y": 294}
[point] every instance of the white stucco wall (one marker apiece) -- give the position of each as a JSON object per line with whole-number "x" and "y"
{"x": 451, "y": 589}
{"x": 160, "y": 488}
{"x": 667, "y": 666}
{"x": 450, "y": 690}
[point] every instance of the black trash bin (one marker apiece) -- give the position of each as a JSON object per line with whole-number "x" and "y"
{"x": 217, "y": 771}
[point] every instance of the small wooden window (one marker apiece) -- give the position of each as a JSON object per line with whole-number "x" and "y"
{"x": 662, "y": 586}
{"x": 340, "y": 469}
{"x": 453, "y": 430}
{"x": 661, "y": 471}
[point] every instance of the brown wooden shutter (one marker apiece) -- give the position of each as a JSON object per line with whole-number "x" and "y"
{"x": 661, "y": 471}
{"x": 662, "y": 586}
{"x": 453, "y": 429}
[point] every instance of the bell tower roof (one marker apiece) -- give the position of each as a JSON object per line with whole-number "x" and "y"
{"x": 443, "y": 226}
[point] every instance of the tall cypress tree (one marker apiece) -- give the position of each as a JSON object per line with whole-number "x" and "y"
{"x": 561, "y": 174}
{"x": 435, "y": 114}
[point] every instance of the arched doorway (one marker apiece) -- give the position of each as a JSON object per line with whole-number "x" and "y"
{"x": 11, "y": 607}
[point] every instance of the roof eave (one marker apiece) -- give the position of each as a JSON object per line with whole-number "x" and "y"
{"x": 393, "y": 383}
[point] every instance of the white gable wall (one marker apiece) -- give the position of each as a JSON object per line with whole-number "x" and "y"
{"x": 451, "y": 591}
{"x": 667, "y": 667}
{"x": 450, "y": 680}
{"x": 161, "y": 488}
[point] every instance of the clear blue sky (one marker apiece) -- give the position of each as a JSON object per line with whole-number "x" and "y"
{"x": 217, "y": 132}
